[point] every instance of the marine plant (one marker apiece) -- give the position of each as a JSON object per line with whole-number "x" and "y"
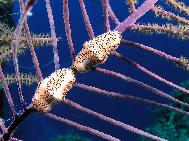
{"x": 96, "y": 50}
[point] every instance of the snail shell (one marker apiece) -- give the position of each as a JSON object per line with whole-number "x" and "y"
{"x": 96, "y": 51}
{"x": 53, "y": 89}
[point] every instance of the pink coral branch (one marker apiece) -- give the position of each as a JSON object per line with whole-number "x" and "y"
{"x": 67, "y": 27}
{"x": 86, "y": 19}
{"x": 113, "y": 121}
{"x": 53, "y": 33}
{"x": 82, "y": 127}
{"x": 105, "y": 4}
{"x": 142, "y": 85}
{"x": 112, "y": 15}
{"x": 129, "y": 21}
{"x": 129, "y": 98}
{"x": 156, "y": 52}
{"x": 29, "y": 40}
{"x": 121, "y": 57}
{"x": 7, "y": 92}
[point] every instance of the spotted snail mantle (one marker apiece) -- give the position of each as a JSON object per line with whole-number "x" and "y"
{"x": 54, "y": 88}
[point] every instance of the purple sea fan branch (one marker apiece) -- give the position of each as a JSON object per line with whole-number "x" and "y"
{"x": 7, "y": 92}
{"x": 142, "y": 85}
{"x": 156, "y": 52}
{"x": 22, "y": 116}
{"x": 113, "y": 121}
{"x": 134, "y": 64}
{"x": 129, "y": 21}
{"x": 53, "y": 33}
{"x": 169, "y": 15}
{"x": 29, "y": 40}
{"x": 129, "y": 98}
{"x": 113, "y": 16}
{"x": 82, "y": 127}
{"x": 67, "y": 28}
{"x": 86, "y": 20}
{"x": 106, "y": 14}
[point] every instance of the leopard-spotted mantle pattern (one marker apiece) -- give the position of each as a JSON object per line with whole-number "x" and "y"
{"x": 53, "y": 89}
{"x": 96, "y": 51}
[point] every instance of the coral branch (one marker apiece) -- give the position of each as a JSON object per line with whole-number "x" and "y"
{"x": 82, "y": 127}
{"x": 142, "y": 85}
{"x": 180, "y": 31}
{"x": 53, "y": 33}
{"x": 129, "y": 98}
{"x": 113, "y": 121}
{"x": 86, "y": 19}
{"x": 169, "y": 15}
{"x": 29, "y": 40}
{"x": 105, "y": 4}
{"x": 134, "y": 64}
{"x": 179, "y": 5}
{"x": 112, "y": 15}
{"x": 175, "y": 60}
{"x": 129, "y": 21}
{"x": 7, "y": 92}
{"x": 67, "y": 27}
{"x": 16, "y": 122}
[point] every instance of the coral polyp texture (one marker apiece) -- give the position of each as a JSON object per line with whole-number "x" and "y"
{"x": 56, "y": 86}
{"x": 53, "y": 89}
{"x": 96, "y": 51}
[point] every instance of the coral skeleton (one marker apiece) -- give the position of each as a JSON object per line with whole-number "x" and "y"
{"x": 96, "y": 51}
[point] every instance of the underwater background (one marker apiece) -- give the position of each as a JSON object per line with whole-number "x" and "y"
{"x": 141, "y": 116}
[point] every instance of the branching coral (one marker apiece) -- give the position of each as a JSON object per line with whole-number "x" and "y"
{"x": 53, "y": 89}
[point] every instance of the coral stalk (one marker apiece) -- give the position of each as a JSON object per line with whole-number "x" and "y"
{"x": 156, "y": 52}
{"x": 129, "y": 98}
{"x": 129, "y": 21}
{"x": 7, "y": 92}
{"x": 16, "y": 122}
{"x": 134, "y": 64}
{"x": 106, "y": 14}
{"x": 142, "y": 85}
{"x": 29, "y": 40}
{"x": 86, "y": 19}
{"x": 53, "y": 33}
{"x": 67, "y": 28}
{"x": 82, "y": 127}
{"x": 113, "y": 121}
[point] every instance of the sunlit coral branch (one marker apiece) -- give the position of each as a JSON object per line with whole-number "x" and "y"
{"x": 136, "y": 65}
{"x": 86, "y": 19}
{"x": 129, "y": 98}
{"x": 132, "y": 5}
{"x": 29, "y": 40}
{"x": 27, "y": 79}
{"x": 67, "y": 28}
{"x": 142, "y": 85}
{"x": 180, "y": 6}
{"x": 113, "y": 121}
{"x": 159, "y": 11}
{"x": 19, "y": 118}
{"x": 82, "y": 127}
{"x": 105, "y": 4}
{"x": 53, "y": 33}
{"x": 139, "y": 12}
{"x": 7, "y": 92}
{"x": 180, "y": 31}
{"x": 181, "y": 62}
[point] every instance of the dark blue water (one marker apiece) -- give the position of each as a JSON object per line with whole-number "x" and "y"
{"x": 39, "y": 128}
